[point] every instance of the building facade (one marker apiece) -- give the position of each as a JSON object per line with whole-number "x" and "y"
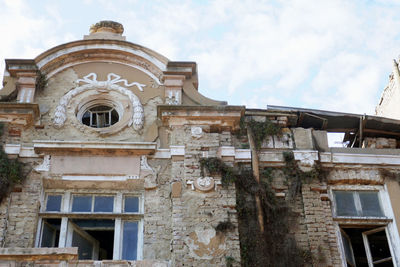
{"x": 126, "y": 163}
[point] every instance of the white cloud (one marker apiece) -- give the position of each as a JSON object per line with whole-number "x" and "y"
{"x": 330, "y": 54}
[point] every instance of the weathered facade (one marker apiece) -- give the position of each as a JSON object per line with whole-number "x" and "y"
{"x": 113, "y": 135}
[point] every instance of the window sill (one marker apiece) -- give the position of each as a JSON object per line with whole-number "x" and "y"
{"x": 86, "y": 215}
{"x": 362, "y": 220}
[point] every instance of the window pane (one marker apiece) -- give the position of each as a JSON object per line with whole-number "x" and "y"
{"x": 103, "y": 204}
{"x": 50, "y": 233}
{"x": 370, "y": 204}
{"x": 345, "y": 203}
{"x": 347, "y": 249}
{"x": 130, "y": 237}
{"x": 379, "y": 247}
{"x": 53, "y": 203}
{"x": 131, "y": 204}
{"x": 82, "y": 204}
{"x": 85, "y": 247}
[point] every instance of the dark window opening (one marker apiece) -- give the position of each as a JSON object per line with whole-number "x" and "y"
{"x": 94, "y": 239}
{"x": 100, "y": 117}
{"x": 50, "y": 233}
{"x": 356, "y": 241}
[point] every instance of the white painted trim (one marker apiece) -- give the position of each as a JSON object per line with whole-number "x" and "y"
{"x": 94, "y": 178}
{"x": 177, "y": 150}
{"x": 393, "y": 235}
{"x": 21, "y": 151}
{"x": 117, "y": 239}
{"x": 365, "y": 159}
{"x": 39, "y": 232}
{"x": 62, "y": 243}
{"x": 12, "y": 149}
{"x": 117, "y": 47}
{"x": 242, "y": 154}
{"x": 80, "y": 144}
{"x": 118, "y": 203}
{"x": 226, "y": 151}
{"x": 140, "y": 241}
{"x": 162, "y": 154}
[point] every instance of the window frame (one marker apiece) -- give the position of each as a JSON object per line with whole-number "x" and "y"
{"x": 357, "y": 203}
{"x": 118, "y": 215}
{"x": 347, "y": 221}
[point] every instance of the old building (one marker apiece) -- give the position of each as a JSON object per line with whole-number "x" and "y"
{"x": 126, "y": 163}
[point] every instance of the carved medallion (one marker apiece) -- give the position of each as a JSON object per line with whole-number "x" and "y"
{"x": 204, "y": 184}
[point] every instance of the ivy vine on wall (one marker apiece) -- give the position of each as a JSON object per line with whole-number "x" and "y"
{"x": 11, "y": 171}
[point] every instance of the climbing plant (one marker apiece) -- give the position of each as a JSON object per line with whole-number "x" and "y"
{"x": 11, "y": 171}
{"x": 275, "y": 246}
{"x": 41, "y": 81}
{"x": 260, "y": 130}
{"x": 271, "y": 244}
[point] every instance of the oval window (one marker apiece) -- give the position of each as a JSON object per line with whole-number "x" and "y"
{"x": 100, "y": 116}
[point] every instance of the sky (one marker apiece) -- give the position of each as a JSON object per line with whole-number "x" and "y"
{"x": 322, "y": 54}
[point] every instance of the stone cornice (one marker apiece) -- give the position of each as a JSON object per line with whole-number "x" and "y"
{"x": 25, "y": 114}
{"x": 221, "y": 116}
{"x": 94, "y": 147}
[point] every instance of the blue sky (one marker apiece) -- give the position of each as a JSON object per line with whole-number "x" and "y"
{"x": 326, "y": 54}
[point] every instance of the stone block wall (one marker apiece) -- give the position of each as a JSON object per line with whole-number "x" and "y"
{"x": 20, "y": 213}
{"x": 195, "y": 214}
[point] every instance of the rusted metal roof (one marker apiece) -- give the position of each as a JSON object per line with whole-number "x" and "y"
{"x": 353, "y": 125}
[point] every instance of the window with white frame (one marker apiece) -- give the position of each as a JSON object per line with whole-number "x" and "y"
{"x": 102, "y": 226}
{"x": 358, "y": 203}
{"x": 364, "y": 227}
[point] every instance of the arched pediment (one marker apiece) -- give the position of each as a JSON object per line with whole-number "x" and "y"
{"x": 75, "y": 53}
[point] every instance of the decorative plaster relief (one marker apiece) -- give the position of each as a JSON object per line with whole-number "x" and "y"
{"x": 204, "y": 184}
{"x": 111, "y": 84}
{"x": 147, "y": 173}
{"x": 45, "y": 166}
{"x": 173, "y": 97}
{"x": 197, "y": 132}
{"x": 206, "y": 244}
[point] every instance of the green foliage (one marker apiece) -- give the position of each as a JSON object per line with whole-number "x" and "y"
{"x": 41, "y": 82}
{"x": 257, "y": 248}
{"x": 11, "y": 171}
{"x": 260, "y": 130}
{"x": 295, "y": 177}
{"x": 229, "y": 261}
{"x": 215, "y": 165}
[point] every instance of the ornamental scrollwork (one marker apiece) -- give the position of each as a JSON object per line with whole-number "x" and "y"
{"x": 137, "y": 118}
